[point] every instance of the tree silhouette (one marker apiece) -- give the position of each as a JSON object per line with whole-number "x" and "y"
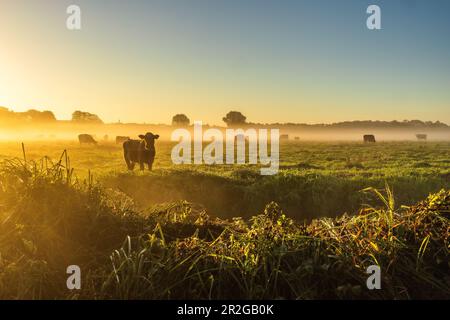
{"x": 234, "y": 118}
{"x": 180, "y": 120}
{"x": 82, "y": 116}
{"x": 39, "y": 116}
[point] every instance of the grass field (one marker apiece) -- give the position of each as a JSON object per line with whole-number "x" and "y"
{"x": 315, "y": 179}
{"x": 221, "y": 232}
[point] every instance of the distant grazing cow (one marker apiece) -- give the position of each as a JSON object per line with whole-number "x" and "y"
{"x": 86, "y": 139}
{"x": 284, "y": 137}
{"x": 121, "y": 139}
{"x": 140, "y": 151}
{"x": 369, "y": 138}
{"x": 297, "y": 138}
{"x": 421, "y": 137}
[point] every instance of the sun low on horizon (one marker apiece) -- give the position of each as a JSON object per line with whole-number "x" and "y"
{"x": 303, "y": 61}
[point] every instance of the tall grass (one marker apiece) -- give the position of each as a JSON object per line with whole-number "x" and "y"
{"x": 49, "y": 219}
{"x": 245, "y": 193}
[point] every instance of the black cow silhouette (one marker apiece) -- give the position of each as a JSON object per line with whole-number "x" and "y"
{"x": 140, "y": 151}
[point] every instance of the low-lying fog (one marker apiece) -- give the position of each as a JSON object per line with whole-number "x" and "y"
{"x": 109, "y": 132}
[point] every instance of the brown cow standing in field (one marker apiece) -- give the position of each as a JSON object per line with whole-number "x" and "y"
{"x": 121, "y": 139}
{"x": 140, "y": 151}
{"x": 369, "y": 138}
{"x": 86, "y": 139}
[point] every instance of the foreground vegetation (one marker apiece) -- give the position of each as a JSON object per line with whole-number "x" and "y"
{"x": 49, "y": 220}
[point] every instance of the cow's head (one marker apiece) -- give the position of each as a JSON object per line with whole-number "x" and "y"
{"x": 149, "y": 140}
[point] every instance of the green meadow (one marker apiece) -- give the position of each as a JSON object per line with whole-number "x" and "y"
{"x": 315, "y": 178}
{"x": 221, "y": 232}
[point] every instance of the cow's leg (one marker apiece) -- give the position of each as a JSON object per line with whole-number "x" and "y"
{"x": 141, "y": 163}
{"x": 141, "y": 160}
{"x": 130, "y": 164}
{"x": 150, "y": 164}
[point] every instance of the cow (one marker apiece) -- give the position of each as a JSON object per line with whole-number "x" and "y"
{"x": 140, "y": 151}
{"x": 86, "y": 139}
{"x": 284, "y": 137}
{"x": 421, "y": 137}
{"x": 369, "y": 138}
{"x": 121, "y": 139}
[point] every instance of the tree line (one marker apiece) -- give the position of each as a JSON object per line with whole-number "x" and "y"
{"x": 236, "y": 118}
{"x": 46, "y": 116}
{"x": 231, "y": 119}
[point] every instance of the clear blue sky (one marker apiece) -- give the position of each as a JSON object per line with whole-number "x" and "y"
{"x": 274, "y": 60}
